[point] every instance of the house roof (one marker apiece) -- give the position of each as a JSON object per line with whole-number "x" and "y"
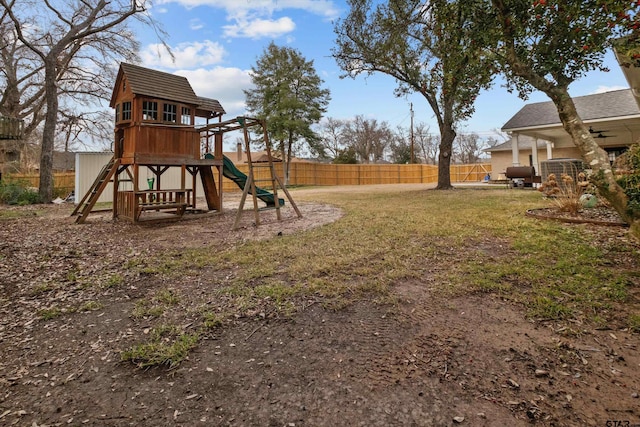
{"x": 157, "y": 84}
{"x": 524, "y": 143}
{"x": 505, "y": 146}
{"x": 608, "y": 105}
{"x": 630, "y": 66}
{"x": 209, "y": 105}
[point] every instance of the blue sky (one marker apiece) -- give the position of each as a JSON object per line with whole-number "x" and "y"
{"x": 216, "y": 42}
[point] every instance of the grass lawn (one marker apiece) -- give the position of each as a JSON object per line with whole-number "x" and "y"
{"x": 451, "y": 242}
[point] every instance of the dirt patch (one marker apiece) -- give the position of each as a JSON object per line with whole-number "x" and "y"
{"x": 599, "y": 215}
{"x": 425, "y": 361}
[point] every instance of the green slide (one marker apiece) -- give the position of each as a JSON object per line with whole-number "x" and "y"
{"x": 230, "y": 171}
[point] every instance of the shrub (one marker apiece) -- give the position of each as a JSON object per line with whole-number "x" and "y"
{"x": 568, "y": 194}
{"x": 628, "y": 170}
{"x": 17, "y": 193}
{"x": 347, "y": 156}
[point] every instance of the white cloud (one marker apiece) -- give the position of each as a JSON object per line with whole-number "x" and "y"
{"x": 258, "y": 28}
{"x": 325, "y": 8}
{"x": 603, "y": 89}
{"x": 196, "y": 24}
{"x": 224, "y": 84}
{"x": 187, "y": 55}
{"x": 254, "y": 18}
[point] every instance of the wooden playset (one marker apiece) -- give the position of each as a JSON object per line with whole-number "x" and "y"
{"x": 155, "y": 127}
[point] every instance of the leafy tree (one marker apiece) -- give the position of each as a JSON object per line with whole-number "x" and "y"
{"x": 346, "y": 156}
{"x": 289, "y": 96}
{"x": 629, "y": 162}
{"x": 400, "y": 150}
{"x": 429, "y": 48}
{"x": 64, "y": 47}
{"x": 400, "y": 147}
{"x": 548, "y": 45}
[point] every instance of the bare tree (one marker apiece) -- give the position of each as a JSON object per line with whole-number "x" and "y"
{"x": 72, "y": 41}
{"x": 499, "y": 136}
{"x": 368, "y": 138}
{"x": 21, "y": 75}
{"x": 428, "y": 144}
{"x": 467, "y": 148}
{"x": 332, "y": 140}
{"x": 84, "y": 129}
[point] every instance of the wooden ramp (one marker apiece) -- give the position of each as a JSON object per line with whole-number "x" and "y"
{"x": 209, "y": 186}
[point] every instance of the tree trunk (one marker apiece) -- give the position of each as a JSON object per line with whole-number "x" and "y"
{"x": 447, "y": 135}
{"x": 595, "y": 157}
{"x": 285, "y": 164}
{"x": 48, "y": 134}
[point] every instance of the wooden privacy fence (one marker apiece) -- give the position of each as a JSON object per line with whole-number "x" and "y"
{"x": 329, "y": 174}
{"x": 63, "y": 182}
{"x": 314, "y": 174}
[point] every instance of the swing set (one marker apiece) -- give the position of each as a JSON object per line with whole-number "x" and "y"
{"x": 155, "y": 129}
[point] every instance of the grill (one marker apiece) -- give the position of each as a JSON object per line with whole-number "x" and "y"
{"x": 522, "y": 176}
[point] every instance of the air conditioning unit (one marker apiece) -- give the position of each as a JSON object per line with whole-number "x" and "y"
{"x": 571, "y": 167}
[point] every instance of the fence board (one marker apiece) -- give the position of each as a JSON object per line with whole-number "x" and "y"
{"x": 320, "y": 174}
{"x": 63, "y": 182}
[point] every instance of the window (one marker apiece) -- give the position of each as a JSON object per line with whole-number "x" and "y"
{"x": 149, "y": 110}
{"x": 614, "y": 153}
{"x": 170, "y": 113}
{"x": 126, "y": 111}
{"x": 185, "y": 116}
{"x": 117, "y": 113}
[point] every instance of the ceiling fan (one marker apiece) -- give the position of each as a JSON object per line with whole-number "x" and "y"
{"x": 600, "y": 133}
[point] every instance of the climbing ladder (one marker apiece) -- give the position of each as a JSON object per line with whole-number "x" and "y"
{"x": 250, "y": 185}
{"x": 91, "y": 197}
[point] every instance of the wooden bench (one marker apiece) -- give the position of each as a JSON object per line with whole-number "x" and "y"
{"x": 161, "y": 200}
{"x": 160, "y": 206}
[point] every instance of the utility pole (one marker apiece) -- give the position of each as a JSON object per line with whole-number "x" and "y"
{"x": 413, "y": 159}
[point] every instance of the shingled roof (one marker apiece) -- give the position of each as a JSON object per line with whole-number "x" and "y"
{"x": 210, "y": 105}
{"x": 614, "y": 104}
{"x": 524, "y": 143}
{"x": 157, "y": 84}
